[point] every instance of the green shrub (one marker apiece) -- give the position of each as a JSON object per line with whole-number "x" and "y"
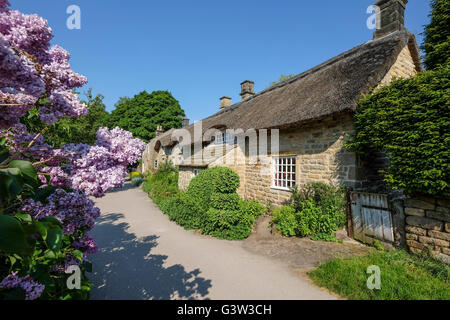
{"x": 410, "y": 120}
{"x": 308, "y": 219}
{"x": 163, "y": 184}
{"x": 316, "y": 209}
{"x": 225, "y": 201}
{"x": 252, "y": 207}
{"x": 225, "y": 224}
{"x": 210, "y": 204}
{"x": 324, "y": 195}
{"x": 184, "y": 210}
{"x": 213, "y": 180}
{"x": 232, "y": 224}
{"x": 285, "y": 220}
{"x": 325, "y": 237}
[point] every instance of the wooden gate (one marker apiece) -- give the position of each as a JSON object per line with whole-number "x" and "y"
{"x": 371, "y": 217}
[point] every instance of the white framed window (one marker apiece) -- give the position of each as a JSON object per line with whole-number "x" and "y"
{"x": 155, "y": 164}
{"x": 284, "y": 172}
{"x": 223, "y": 138}
{"x": 196, "y": 171}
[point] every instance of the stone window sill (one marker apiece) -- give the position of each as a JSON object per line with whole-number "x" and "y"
{"x": 280, "y": 188}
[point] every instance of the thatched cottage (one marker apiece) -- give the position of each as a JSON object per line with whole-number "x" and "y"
{"x": 312, "y": 113}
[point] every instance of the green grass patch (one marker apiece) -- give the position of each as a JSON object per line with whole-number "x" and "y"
{"x": 403, "y": 277}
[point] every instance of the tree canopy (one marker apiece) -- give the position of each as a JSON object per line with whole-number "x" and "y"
{"x": 72, "y": 130}
{"x": 144, "y": 112}
{"x": 437, "y": 35}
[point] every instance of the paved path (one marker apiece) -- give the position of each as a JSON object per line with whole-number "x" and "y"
{"x": 143, "y": 255}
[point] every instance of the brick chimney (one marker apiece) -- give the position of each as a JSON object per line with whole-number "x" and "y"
{"x": 247, "y": 89}
{"x": 185, "y": 122}
{"x": 392, "y": 17}
{"x": 225, "y": 102}
{"x": 159, "y": 130}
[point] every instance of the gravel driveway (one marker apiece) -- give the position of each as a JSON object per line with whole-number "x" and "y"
{"x": 143, "y": 255}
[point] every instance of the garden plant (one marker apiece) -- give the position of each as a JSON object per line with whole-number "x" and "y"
{"x": 316, "y": 210}
{"x": 45, "y": 210}
{"x": 210, "y": 203}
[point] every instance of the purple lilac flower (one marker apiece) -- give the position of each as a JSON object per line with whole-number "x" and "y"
{"x": 33, "y": 290}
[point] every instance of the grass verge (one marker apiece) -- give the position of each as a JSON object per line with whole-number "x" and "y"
{"x": 403, "y": 277}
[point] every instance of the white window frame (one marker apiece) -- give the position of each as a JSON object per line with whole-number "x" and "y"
{"x": 224, "y": 138}
{"x": 284, "y": 172}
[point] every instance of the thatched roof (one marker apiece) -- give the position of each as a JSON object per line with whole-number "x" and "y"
{"x": 332, "y": 87}
{"x": 164, "y": 139}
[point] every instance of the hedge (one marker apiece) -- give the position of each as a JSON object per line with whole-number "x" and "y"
{"x": 212, "y": 205}
{"x": 410, "y": 120}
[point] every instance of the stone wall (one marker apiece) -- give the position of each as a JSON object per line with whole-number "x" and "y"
{"x": 404, "y": 67}
{"x": 428, "y": 225}
{"x": 236, "y": 160}
{"x": 319, "y": 151}
{"x": 185, "y": 175}
{"x": 321, "y": 157}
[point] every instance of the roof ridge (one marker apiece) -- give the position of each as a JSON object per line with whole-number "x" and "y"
{"x": 308, "y": 72}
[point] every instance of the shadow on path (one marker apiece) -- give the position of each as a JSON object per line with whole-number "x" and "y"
{"x": 127, "y": 186}
{"x": 124, "y": 267}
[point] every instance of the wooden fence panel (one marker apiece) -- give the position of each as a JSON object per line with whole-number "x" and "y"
{"x": 371, "y": 217}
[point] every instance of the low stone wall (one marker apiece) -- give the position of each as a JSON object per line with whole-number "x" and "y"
{"x": 185, "y": 176}
{"x": 428, "y": 225}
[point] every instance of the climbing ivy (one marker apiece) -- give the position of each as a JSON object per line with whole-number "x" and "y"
{"x": 410, "y": 120}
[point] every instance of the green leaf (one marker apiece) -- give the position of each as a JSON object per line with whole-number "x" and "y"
{"x": 13, "y": 260}
{"x": 23, "y": 217}
{"x": 4, "y": 152}
{"x": 51, "y": 222}
{"x": 11, "y": 182}
{"x": 26, "y": 167}
{"x": 54, "y": 239}
{"x": 49, "y": 254}
{"x": 78, "y": 254}
{"x": 13, "y": 238}
{"x": 42, "y": 229}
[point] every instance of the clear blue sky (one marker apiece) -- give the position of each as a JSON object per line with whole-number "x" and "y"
{"x": 201, "y": 50}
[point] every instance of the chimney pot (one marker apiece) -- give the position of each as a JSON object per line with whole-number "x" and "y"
{"x": 392, "y": 17}
{"x": 159, "y": 130}
{"x": 185, "y": 122}
{"x": 247, "y": 89}
{"x": 225, "y": 102}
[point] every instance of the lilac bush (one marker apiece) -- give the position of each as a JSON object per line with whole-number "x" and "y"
{"x": 44, "y": 200}
{"x": 30, "y": 69}
{"x": 74, "y": 210}
{"x": 33, "y": 290}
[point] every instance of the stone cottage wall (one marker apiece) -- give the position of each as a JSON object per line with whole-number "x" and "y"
{"x": 321, "y": 157}
{"x": 185, "y": 175}
{"x": 428, "y": 225}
